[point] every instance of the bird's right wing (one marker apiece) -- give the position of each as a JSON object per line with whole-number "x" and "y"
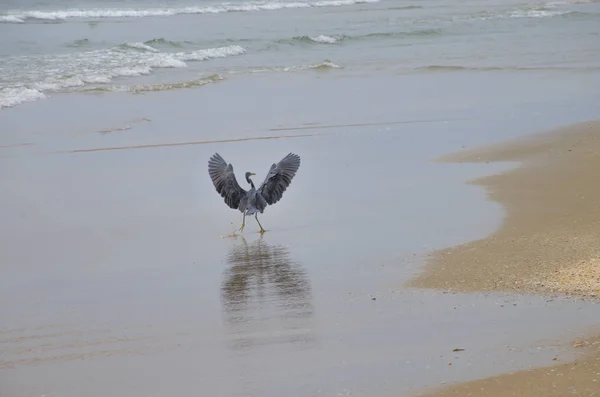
{"x": 279, "y": 178}
{"x": 223, "y": 178}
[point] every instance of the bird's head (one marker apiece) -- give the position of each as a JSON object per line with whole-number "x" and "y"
{"x": 248, "y": 175}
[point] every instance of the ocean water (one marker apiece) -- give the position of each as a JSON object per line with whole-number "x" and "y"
{"x": 49, "y": 47}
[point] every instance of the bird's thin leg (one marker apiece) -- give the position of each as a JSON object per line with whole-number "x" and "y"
{"x": 261, "y": 228}
{"x": 243, "y": 222}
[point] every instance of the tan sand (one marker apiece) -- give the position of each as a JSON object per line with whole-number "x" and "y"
{"x": 549, "y": 241}
{"x": 579, "y": 378}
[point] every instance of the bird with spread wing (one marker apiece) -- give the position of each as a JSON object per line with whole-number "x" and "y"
{"x": 253, "y": 201}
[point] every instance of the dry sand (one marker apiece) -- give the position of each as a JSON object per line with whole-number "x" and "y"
{"x": 549, "y": 243}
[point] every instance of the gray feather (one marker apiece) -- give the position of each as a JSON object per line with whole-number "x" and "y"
{"x": 225, "y": 183}
{"x": 279, "y": 178}
{"x": 254, "y": 200}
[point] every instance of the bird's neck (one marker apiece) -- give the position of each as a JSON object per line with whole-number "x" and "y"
{"x": 250, "y": 182}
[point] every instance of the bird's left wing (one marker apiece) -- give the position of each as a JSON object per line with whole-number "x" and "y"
{"x": 223, "y": 178}
{"x": 279, "y": 178}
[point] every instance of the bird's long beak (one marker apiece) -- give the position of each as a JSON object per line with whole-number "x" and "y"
{"x": 252, "y": 174}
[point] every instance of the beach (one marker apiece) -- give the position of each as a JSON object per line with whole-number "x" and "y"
{"x": 547, "y": 244}
{"x": 579, "y": 378}
{"x": 437, "y": 238}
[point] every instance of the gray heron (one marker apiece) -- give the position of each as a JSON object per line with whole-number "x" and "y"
{"x": 253, "y": 201}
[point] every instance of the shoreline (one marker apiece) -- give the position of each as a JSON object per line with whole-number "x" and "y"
{"x": 546, "y": 245}
{"x": 578, "y": 377}
{"x": 550, "y": 231}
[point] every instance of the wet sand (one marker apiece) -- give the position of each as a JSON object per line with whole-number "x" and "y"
{"x": 580, "y": 377}
{"x": 549, "y": 240}
{"x": 548, "y": 244}
{"x": 117, "y": 279}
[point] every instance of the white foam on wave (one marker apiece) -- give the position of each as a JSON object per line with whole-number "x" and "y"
{"x": 179, "y": 59}
{"x": 537, "y": 13}
{"x": 210, "y": 53}
{"x": 141, "y": 46}
{"x": 165, "y": 61}
{"x": 96, "y": 13}
{"x": 324, "y": 39}
{"x": 98, "y": 79}
{"x": 548, "y": 11}
{"x": 27, "y": 78}
{"x": 60, "y": 84}
{"x": 10, "y": 19}
{"x": 10, "y": 96}
{"x": 133, "y": 71}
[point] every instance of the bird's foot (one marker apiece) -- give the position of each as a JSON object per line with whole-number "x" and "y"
{"x": 241, "y": 229}
{"x": 262, "y": 230}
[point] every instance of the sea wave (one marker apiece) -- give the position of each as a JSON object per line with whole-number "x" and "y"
{"x": 547, "y": 11}
{"x": 321, "y": 39}
{"x": 10, "y": 19}
{"x": 143, "y": 88}
{"x": 537, "y": 13}
{"x": 140, "y": 46}
{"x": 138, "y": 89}
{"x": 324, "y": 65}
{"x": 97, "y": 13}
{"x": 335, "y": 39}
{"x": 202, "y": 55}
{"x": 12, "y": 96}
{"x": 162, "y": 42}
{"x": 324, "y": 39}
{"x": 32, "y": 77}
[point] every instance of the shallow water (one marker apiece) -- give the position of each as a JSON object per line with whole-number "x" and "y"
{"x": 116, "y": 278}
{"x": 48, "y": 47}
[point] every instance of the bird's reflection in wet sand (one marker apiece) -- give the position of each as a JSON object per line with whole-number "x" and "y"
{"x": 266, "y": 297}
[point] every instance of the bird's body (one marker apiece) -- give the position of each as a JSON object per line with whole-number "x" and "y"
{"x": 254, "y": 200}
